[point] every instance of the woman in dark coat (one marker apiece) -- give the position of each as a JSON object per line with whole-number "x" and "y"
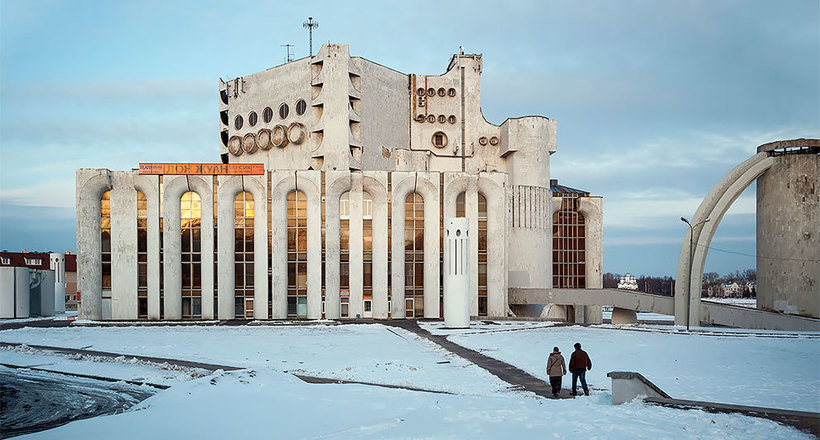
{"x": 555, "y": 369}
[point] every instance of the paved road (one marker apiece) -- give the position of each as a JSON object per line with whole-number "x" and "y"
{"x": 32, "y": 401}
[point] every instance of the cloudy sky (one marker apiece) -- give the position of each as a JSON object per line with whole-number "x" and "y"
{"x": 655, "y": 100}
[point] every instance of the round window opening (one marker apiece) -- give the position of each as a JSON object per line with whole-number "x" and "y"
{"x": 431, "y": 92}
{"x": 420, "y": 91}
{"x": 439, "y": 139}
{"x": 442, "y": 119}
{"x": 451, "y": 92}
{"x": 441, "y": 91}
{"x": 252, "y": 118}
{"x": 267, "y": 114}
{"x": 431, "y": 118}
{"x": 452, "y": 119}
{"x": 301, "y": 106}
{"x": 283, "y": 111}
{"x": 238, "y": 122}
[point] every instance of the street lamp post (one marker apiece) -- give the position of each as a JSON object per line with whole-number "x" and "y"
{"x": 689, "y": 277}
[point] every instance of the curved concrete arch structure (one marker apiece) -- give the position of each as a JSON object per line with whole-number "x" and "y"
{"x": 375, "y": 184}
{"x": 228, "y": 189}
{"x": 428, "y": 188}
{"x": 91, "y": 185}
{"x": 336, "y": 184}
{"x": 713, "y": 207}
{"x": 308, "y": 182}
{"x": 175, "y": 187}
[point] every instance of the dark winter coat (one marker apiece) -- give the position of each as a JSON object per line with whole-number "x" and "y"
{"x": 579, "y": 361}
{"x": 555, "y": 365}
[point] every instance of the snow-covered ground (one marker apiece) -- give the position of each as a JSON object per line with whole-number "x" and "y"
{"x": 265, "y": 402}
{"x": 742, "y": 302}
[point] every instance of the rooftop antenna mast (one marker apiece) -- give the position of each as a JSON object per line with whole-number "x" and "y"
{"x": 310, "y": 25}
{"x": 287, "y": 46}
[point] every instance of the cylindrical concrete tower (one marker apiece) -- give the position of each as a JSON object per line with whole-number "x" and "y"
{"x": 58, "y": 266}
{"x": 788, "y": 229}
{"x": 456, "y": 272}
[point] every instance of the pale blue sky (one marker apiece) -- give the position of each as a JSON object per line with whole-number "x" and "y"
{"x": 655, "y": 101}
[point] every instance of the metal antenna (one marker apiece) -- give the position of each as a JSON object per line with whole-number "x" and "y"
{"x": 310, "y": 25}
{"x": 287, "y": 46}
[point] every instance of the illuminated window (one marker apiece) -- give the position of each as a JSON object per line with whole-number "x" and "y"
{"x": 142, "y": 255}
{"x": 482, "y": 255}
{"x": 344, "y": 255}
{"x": 414, "y": 255}
{"x": 243, "y": 254}
{"x": 297, "y": 254}
{"x": 191, "y": 256}
{"x": 105, "y": 242}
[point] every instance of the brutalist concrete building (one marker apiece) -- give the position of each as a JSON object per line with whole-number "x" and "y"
{"x": 336, "y": 174}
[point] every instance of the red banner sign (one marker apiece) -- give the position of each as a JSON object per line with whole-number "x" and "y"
{"x": 203, "y": 168}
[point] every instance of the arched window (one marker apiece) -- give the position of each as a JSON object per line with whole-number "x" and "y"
{"x": 568, "y": 245}
{"x": 191, "y": 254}
{"x": 414, "y": 255}
{"x": 243, "y": 215}
{"x": 105, "y": 243}
{"x": 297, "y": 254}
{"x": 142, "y": 255}
{"x": 367, "y": 248}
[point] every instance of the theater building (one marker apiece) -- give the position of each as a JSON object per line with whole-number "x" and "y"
{"x": 336, "y": 174}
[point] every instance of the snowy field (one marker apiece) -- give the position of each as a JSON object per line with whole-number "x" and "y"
{"x": 263, "y": 401}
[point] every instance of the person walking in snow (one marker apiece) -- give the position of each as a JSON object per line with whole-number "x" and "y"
{"x": 579, "y": 363}
{"x": 555, "y": 369}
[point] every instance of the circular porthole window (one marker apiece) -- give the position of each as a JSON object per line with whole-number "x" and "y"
{"x": 482, "y": 140}
{"x": 267, "y": 114}
{"x": 283, "y": 111}
{"x": 451, "y": 92}
{"x": 249, "y": 143}
{"x": 431, "y": 92}
{"x": 439, "y": 139}
{"x": 431, "y": 118}
{"x": 235, "y": 145}
{"x": 441, "y": 91}
{"x": 238, "y": 122}
{"x": 493, "y": 140}
{"x": 301, "y": 107}
{"x": 452, "y": 119}
{"x": 420, "y": 91}
{"x": 442, "y": 119}
{"x": 420, "y": 118}
{"x": 252, "y": 118}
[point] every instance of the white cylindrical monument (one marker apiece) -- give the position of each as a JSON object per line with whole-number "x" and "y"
{"x": 456, "y": 272}
{"x": 58, "y": 266}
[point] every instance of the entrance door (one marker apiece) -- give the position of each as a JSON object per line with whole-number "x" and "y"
{"x": 368, "y": 308}
{"x": 409, "y": 308}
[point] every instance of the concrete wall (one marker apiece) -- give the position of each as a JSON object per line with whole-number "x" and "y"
{"x": 14, "y": 292}
{"x": 788, "y": 235}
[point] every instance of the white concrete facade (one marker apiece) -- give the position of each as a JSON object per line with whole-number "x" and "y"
{"x": 327, "y": 127}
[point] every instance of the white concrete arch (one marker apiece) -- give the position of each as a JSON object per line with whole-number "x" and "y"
{"x": 174, "y": 188}
{"x": 91, "y": 185}
{"x": 713, "y": 207}
{"x": 426, "y": 184}
{"x": 308, "y": 182}
{"x": 376, "y": 186}
{"x": 592, "y": 210}
{"x": 336, "y": 184}
{"x": 227, "y": 191}
{"x": 124, "y": 273}
{"x": 149, "y": 185}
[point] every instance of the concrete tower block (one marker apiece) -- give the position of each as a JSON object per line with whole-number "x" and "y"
{"x": 788, "y": 235}
{"x": 456, "y": 272}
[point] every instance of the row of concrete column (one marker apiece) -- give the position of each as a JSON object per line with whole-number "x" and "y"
{"x": 91, "y": 184}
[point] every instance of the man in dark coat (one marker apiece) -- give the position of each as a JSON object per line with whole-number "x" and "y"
{"x": 579, "y": 363}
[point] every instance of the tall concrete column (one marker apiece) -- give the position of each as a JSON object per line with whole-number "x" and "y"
{"x": 403, "y": 184}
{"x": 356, "y": 245}
{"x": 428, "y": 187}
{"x": 592, "y": 210}
{"x": 226, "y": 246}
{"x": 309, "y": 183}
{"x": 375, "y": 183}
{"x": 281, "y": 182}
{"x": 257, "y": 185}
{"x": 149, "y": 185}
{"x": 123, "y": 247}
{"x": 90, "y": 186}
{"x": 493, "y": 186}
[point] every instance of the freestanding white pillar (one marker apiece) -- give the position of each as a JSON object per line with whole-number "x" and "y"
{"x": 456, "y": 272}
{"x": 58, "y": 266}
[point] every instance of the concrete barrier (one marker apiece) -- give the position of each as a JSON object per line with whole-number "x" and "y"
{"x": 628, "y": 386}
